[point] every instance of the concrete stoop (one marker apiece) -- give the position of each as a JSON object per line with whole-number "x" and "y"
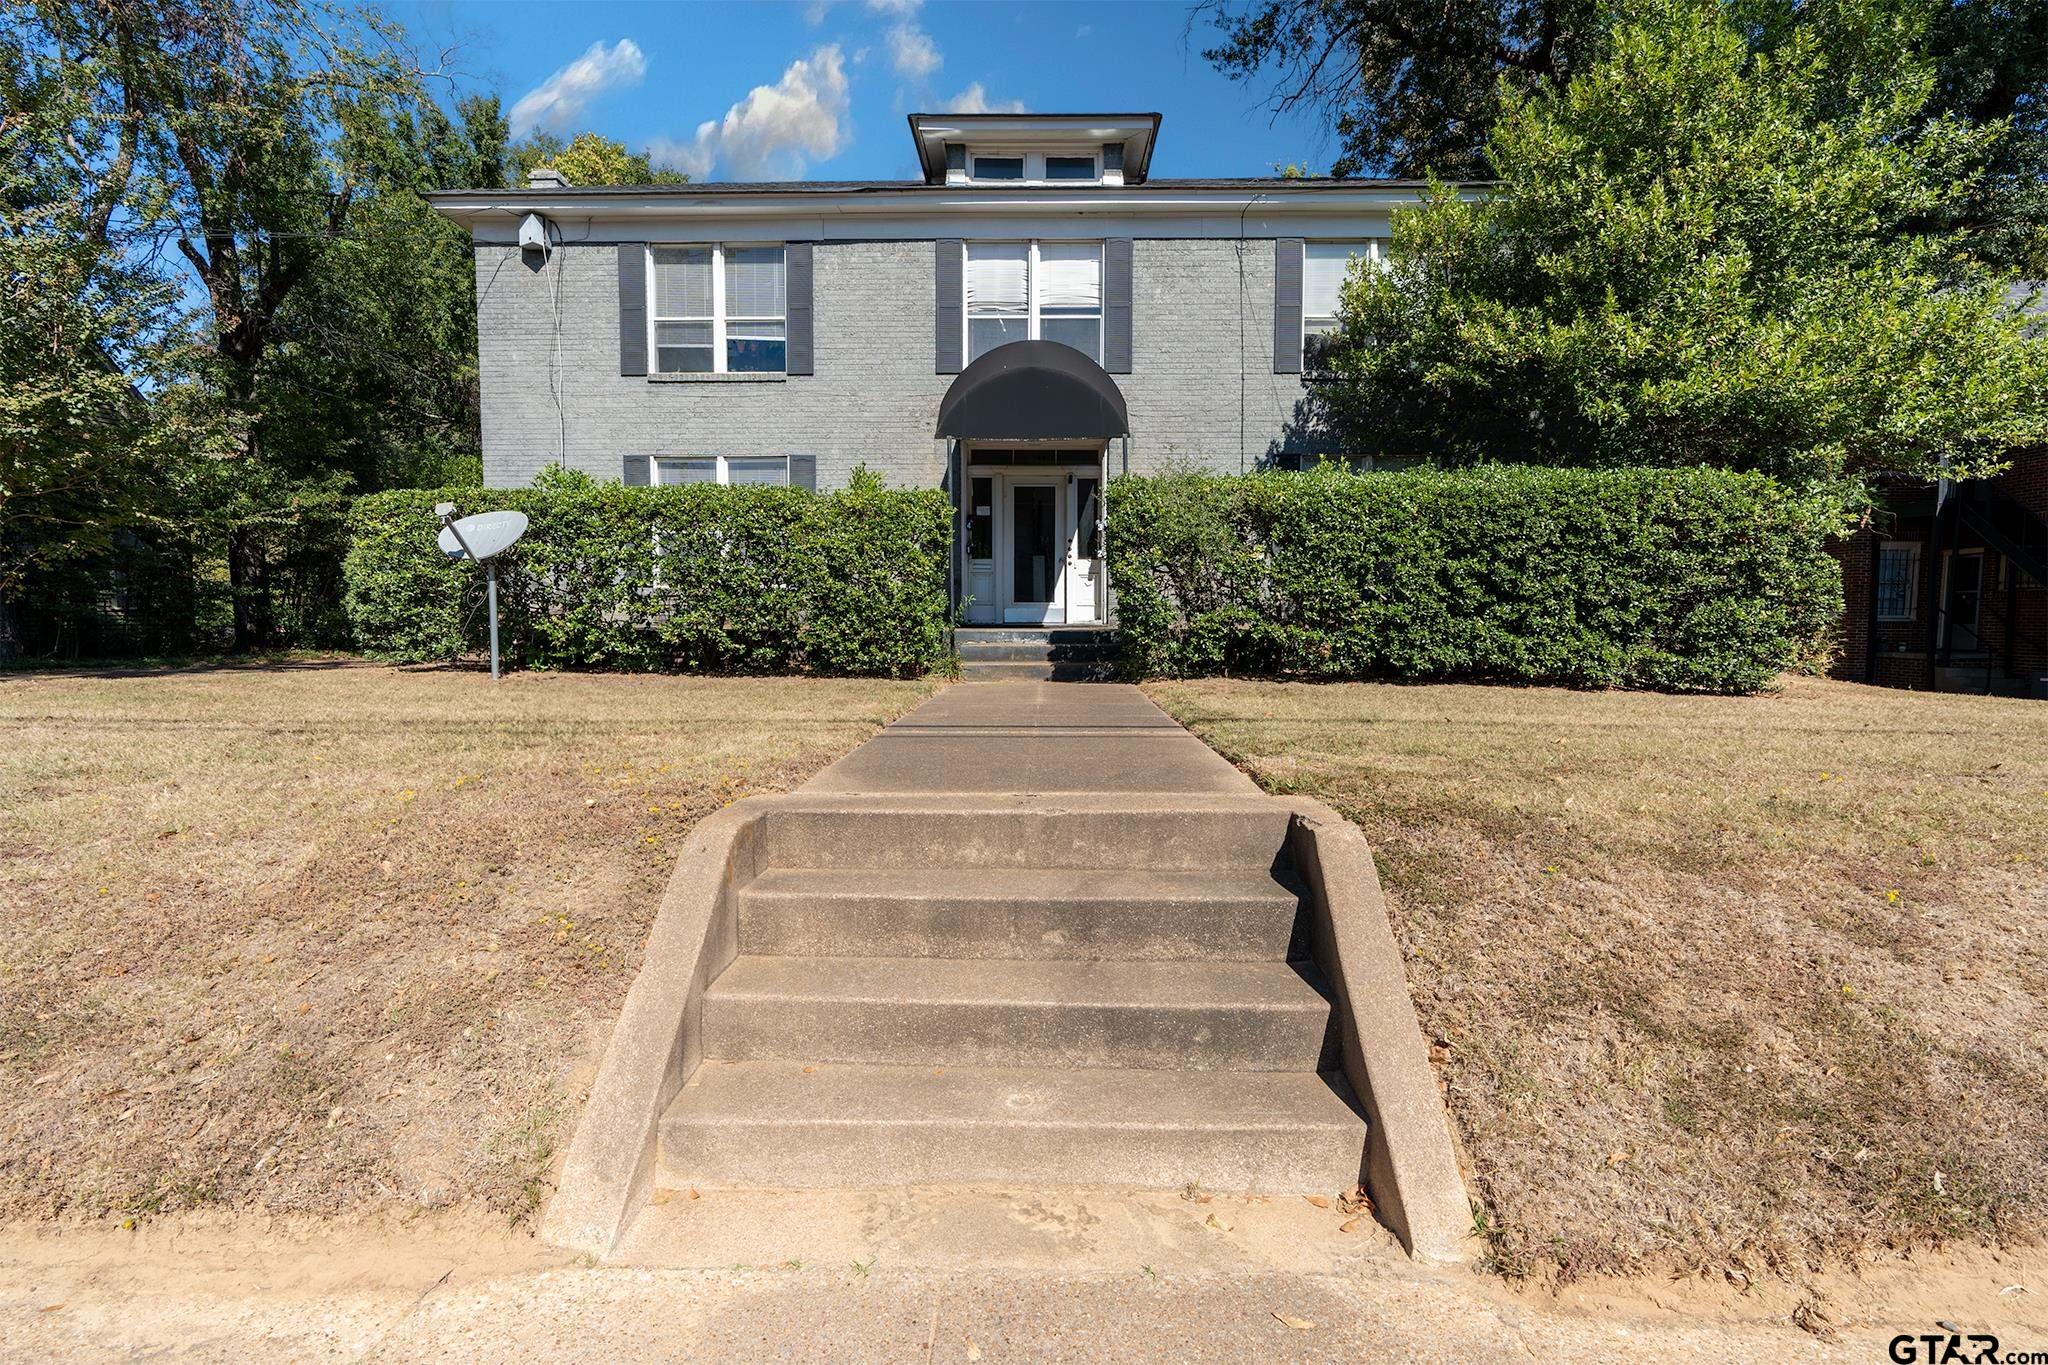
{"x": 1035, "y": 653}
{"x": 1123, "y": 990}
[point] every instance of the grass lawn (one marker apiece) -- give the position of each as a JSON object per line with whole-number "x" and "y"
{"x": 318, "y": 935}
{"x": 1734, "y": 984}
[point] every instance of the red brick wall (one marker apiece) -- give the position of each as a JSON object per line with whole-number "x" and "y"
{"x": 1902, "y": 648}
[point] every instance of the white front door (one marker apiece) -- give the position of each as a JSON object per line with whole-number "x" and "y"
{"x": 1033, "y": 532}
{"x": 1084, "y": 549}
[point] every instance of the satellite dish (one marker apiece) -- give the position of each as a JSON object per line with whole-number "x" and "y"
{"x": 483, "y": 536}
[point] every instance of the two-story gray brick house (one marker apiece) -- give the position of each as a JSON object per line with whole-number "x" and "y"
{"x": 1034, "y": 315}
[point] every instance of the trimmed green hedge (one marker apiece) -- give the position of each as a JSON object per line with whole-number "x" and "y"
{"x": 696, "y": 578}
{"x": 1687, "y": 580}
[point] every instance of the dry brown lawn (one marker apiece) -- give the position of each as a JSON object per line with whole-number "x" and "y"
{"x": 325, "y": 935}
{"x": 1724, "y": 984}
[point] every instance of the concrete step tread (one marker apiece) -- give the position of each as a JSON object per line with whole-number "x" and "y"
{"x": 1036, "y": 670}
{"x": 741, "y": 1094}
{"x": 965, "y": 886}
{"x": 1240, "y": 987}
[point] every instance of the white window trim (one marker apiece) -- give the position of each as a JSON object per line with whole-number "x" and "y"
{"x": 1912, "y": 612}
{"x": 718, "y": 317}
{"x": 1034, "y": 166}
{"x": 1031, "y": 290}
{"x": 1374, "y": 251}
{"x": 724, "y": 478}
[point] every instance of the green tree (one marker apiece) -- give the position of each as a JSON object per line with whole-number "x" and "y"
{"x": 1413, "y": 88}
{"x": 258, "y": 142}
{"x": 589, "y": 159}
{"x": 92, "y": 441}
{"x": 1699, "y": 253}
{"x": 1410, "y": 87}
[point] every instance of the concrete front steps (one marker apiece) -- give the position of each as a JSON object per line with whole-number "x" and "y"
{"x": 1035, "y": 653}
{"x": 1011, "y": 996}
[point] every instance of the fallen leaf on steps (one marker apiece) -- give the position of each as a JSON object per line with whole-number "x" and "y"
{"x": 973, "y": 1351}
{"x": 1317, "y": 1200}
{"x": 1349, "y": 1225}
{"x": 661, "y": 1197}
{"x": 1298, "y": 1324}
{"x": 1213, "y": 1222}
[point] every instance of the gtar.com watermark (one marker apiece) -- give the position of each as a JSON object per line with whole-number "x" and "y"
{"x": 1951, "y": 1346}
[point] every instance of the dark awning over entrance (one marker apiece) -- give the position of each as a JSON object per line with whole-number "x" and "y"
{"x": 1033, "y": 391}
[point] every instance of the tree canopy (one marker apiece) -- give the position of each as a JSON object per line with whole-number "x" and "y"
{"x": 589, "y": 159}
{"x": 1702, "y": 252}
{"x": 1415, "y": 87}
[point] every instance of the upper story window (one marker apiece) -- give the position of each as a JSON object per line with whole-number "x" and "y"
{"x": 1323, "y": 268}
{"x": 717, "y": 309}
{"x": 1034, "y": 167}
{"x": 998, "y": 167}
{"x": 1049, "y": 291}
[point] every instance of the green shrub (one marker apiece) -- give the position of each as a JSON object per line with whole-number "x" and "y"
{"x": 695, "y": 578}
{"x": 1688, "y": 580}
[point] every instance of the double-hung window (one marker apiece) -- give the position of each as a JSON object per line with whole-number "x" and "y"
{"x": 1050, "y": 291}
{"x": 717, "y": 309}
{"x": 1898, "y": 580}
{"x": 772, "y": 470}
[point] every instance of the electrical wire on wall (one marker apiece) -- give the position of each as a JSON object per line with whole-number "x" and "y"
{"x": 551, "y": 244}
{"x": 1242, "y": 305}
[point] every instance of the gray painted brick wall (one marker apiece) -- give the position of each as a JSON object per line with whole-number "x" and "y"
{"x": 1201, "y": 388}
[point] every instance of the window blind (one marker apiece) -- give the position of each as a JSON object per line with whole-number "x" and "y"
{"x": 998, "y": 277}
{"x": 753, "y": 282}
{"x": 1070, "y": 275}
{"x": 1323, "y": 268}
{"x": 682, "y": 282}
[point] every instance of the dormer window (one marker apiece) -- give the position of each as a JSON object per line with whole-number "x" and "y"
{"x": 1112, "y": 150}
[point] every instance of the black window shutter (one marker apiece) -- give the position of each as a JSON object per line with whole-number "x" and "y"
{"x": 636, "y": 475}
{"x": 632, "y": 308}
{"x": 796, "y": 280}
{"x": 803, "y": 472}
{"x": 1116, "y": 305}
{"x": 1287, "y": 305}
{"x": 949, "y": 324}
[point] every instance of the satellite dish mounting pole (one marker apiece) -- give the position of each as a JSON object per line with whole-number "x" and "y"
{"x": 491, "y": 587}
{"x": 494, "y": 532}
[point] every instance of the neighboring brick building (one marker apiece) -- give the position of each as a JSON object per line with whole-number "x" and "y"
{"x": 1949, "y": 590}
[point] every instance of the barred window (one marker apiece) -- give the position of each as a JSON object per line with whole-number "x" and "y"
{"x": 1898, "y": 580}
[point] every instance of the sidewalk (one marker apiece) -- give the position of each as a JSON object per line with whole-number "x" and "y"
{"x": 936, "y": 1275}
{"x": 1030, "y": 738}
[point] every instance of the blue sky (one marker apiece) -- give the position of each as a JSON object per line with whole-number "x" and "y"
{"x": 819, "y": 88}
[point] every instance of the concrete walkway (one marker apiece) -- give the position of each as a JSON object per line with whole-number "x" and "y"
{"x": 1034, "y": 738}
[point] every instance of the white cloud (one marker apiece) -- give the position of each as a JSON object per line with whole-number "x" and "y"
{"x": 814, "y": 12}
{"x": 899, "y": 8}
{"x": 1084, "y": 31}
{"x": 913, "y": 53}
{"x": 559, "y": 100}
{"x": 775, "y": 131}
{"x": 974, "y": 100}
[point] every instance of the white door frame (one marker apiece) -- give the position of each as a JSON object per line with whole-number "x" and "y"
{"x": 1012, "y": 611}
{"x": 1078, "y": 596}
